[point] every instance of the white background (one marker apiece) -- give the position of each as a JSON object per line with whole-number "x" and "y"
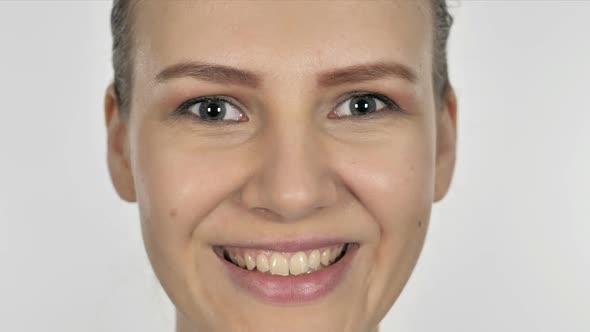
{"x": 508, "y": 249}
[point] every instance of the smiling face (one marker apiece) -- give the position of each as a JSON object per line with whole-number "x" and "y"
{"x": 298, "y": 194}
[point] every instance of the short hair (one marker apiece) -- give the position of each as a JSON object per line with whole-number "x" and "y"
{"x": 122, "y": 29}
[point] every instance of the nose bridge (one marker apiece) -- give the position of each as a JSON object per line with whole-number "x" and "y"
{"x": 292, "y": 178}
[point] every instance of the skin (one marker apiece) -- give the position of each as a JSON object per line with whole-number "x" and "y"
{"x": 291, "y": 169}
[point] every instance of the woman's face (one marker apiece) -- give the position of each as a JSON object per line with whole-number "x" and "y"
{"x": 287, "y": 166}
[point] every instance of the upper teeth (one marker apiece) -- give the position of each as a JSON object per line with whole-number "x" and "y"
{"x": 284, "y": 263}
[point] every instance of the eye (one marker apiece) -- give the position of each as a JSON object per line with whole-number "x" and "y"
{"x": 211, "y": 109}
{"x": 364, "y": 104}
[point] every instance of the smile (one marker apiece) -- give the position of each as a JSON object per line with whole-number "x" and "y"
{"x": 285, "y": 263}
{"x": 287, "y": 274}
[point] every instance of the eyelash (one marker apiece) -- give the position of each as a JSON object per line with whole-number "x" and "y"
{"x": 183, "y": 109}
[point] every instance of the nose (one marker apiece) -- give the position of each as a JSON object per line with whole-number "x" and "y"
{"x": 292, "y": 179}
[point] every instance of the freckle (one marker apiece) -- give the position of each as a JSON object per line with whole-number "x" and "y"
{"x": 173, "y": 213}
{"x": 419, "y": 223}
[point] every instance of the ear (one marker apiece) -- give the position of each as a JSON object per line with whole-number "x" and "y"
{"x": 446, "y": 145}
{"x": 118, "y": 147}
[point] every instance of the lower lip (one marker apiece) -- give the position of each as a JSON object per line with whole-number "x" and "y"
{"x": 298, "y": 289}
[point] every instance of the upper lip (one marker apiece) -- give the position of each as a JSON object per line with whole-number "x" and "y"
{"x": 288, "y": 245}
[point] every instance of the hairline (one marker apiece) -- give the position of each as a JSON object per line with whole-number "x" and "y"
{"x": 123, "y": 83}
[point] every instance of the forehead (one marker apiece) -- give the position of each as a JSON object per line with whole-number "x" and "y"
{"x": 291, "y": 37}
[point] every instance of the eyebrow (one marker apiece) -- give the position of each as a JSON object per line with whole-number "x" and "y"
{"x": 223, "y": 74}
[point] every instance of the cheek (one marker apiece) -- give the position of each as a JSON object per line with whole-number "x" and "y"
{"x": 394, "y": 183}
{"x": 179, "y": 184}
{"x": 394, "y": 180}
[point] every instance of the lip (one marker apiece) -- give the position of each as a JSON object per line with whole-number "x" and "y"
{"x": 285, "y": 290}
{"x": 288, "y": 245}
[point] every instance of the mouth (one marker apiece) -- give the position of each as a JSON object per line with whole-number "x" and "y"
{"x": 283, "y": 263}
{"x": 290, "y": 273}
